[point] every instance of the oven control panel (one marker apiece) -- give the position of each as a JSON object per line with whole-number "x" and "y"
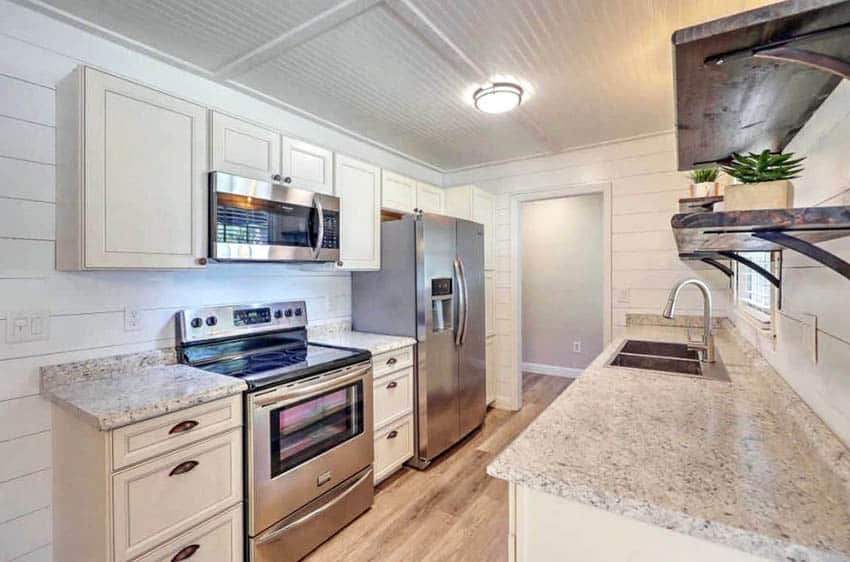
{"x": 198, "y": 324}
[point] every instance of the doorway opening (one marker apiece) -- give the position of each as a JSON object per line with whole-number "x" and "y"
{"x": 561, "y": 277}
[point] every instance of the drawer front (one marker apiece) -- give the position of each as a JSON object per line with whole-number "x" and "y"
{"x": 218, "y": 540}
{"x": 145, "y": 440}
{"x": 158, "y": 500}
{"x": 393, "y": 446}
{"x": 392, "y": 361}
{"x": 393, "y": 396}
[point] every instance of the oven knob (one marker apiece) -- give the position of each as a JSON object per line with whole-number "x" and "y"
{"x": 298, "y": 312}
{"x": 289, "y": 313}
{"x": 197, "y": 322}
{"x": 278, "y": 314}
{"x": 212, "y": 320}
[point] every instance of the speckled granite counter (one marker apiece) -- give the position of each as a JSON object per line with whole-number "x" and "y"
{"x": 117, "y": 391}
{"x": 746, "y": 464}
{"x": 376, "y": 343}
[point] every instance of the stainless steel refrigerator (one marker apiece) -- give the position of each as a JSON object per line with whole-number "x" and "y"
{"x": 431, "y": 287}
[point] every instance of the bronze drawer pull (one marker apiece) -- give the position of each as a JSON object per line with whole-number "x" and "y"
{"x": 183, "y": 426}
{"x": 183, "y": 468}
{"x": 392, "y": 361}
{"x": 393, "y": 384}
{"x": 392, "y": 434}
{"x": 186, "y": 553}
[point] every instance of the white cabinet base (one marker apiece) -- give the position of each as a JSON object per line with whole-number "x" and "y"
{"x": 544, "y": 527}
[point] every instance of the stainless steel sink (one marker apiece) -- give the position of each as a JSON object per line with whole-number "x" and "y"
{"x": 667, "y": 358}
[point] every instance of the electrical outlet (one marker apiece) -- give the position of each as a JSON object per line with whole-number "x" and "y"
{"x": 132, "y": 319}
{"x": 576, "y": 347}
{"x": 810, "y": 336}
{"x": 24, "y": 326}
{"x": 624, "y": 296}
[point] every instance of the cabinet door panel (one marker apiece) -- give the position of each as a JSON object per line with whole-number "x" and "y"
{"x": 145, "y": 176}
{"x": 308, "y": 166}
{"x": 358, "y": 186}
{"x": 398, "y": 193}
{"x": 490, "y": 358}
{"x": 490, "y": 302}
{"x": 244, "y": 149}
{"x": 430, "y": 198}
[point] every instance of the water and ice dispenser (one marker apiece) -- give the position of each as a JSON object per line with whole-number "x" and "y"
{"x": 441, "y": 304}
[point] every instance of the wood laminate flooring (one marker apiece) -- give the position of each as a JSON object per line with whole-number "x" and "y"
{"x": 452, "y": 510}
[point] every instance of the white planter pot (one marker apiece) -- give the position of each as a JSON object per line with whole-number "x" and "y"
{"x": 704, "y": 189}
{"x": 764, "y": 195}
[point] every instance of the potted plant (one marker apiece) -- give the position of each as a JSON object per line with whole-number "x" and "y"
{"x": 704, "y": 182}
{"x": 765, "y": 181}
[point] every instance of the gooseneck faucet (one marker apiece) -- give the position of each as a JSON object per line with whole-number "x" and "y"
{"x": 706, "y": 347}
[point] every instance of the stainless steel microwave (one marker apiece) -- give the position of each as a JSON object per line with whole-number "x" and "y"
{"x": 255, "y": 220}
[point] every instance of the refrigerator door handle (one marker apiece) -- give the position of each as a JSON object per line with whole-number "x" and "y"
{"x": 465, "y": 300}
{"x": 461, "y": 305}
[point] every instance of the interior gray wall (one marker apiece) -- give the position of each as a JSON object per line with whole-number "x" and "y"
{"x": 562, "y": 274}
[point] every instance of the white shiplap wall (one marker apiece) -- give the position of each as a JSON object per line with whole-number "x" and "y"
{"x": 86, "y": 310}
{"x": 645, "y": 191}
{"x": 813, "y": 290}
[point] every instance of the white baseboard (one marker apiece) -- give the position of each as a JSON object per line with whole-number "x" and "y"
{"x": 542, "y": 369}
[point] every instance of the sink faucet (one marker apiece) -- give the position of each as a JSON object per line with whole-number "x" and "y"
{"x": 706, "y": 347}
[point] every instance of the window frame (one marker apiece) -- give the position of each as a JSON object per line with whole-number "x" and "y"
{"x": 763, "y": 318}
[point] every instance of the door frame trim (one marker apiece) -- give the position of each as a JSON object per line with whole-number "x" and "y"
{"x": 514, "y": 402}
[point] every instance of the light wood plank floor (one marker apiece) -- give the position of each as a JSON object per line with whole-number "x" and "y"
{"x": 453, "y": 510}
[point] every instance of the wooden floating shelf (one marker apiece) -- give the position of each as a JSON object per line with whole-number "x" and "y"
{"x": 750, "y": 81}
{"x": 729, "y": 235}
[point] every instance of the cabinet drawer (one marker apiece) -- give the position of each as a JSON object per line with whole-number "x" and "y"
{"x": 158, "y": 500}
{"x": 217, "y": 540}
{"x": 392, "y": 361}
{"x": 393, "y": 446}
{"x": 393, "y": 396}
{"x": 144, "y": 440}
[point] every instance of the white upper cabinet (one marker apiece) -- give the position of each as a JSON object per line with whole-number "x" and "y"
{"x": 471, "y": 203}
{"x": 307, "y": 166}
{"x": 358, "y": 186}
{"x": 430, "y": 198}
{"x": 398, "y": 192}
{"x": 243, "y": 149}
{"x": 131, "y": 178}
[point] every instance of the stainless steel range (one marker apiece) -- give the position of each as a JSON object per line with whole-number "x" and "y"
{"x": 308, "y": 421}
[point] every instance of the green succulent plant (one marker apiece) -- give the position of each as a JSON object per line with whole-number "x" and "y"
{"x": 767, "y": 166}
{"x": 703, "y": 175}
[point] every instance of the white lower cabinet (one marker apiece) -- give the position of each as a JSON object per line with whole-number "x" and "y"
{"x": 218, "y": 540}
{"x": 393, "y": 447}
{"x": 392, "y": 410}
{"x": 544, "y": 527}
{"x": 164, "y": 501}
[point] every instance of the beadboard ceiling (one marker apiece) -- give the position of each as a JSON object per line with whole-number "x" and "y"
{"x": 401, "y": 72}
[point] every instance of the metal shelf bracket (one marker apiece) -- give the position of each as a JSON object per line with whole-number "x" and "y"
{"x": 809, "y": 250}
{"x": 827, "y": 63}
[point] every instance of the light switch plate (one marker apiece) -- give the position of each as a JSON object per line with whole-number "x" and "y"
{"x": 27, "y": 325}
{"x": 624, "y": 296}
{"x": 132, "y": 319}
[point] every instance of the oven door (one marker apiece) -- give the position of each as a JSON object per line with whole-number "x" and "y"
{"x": 306, "y": 438}
{"x": 253, "y": 220}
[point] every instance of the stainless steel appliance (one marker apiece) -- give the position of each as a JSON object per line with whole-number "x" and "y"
{"x": 308, "y": 422}
{"x": 254, "y": 220}
{"x": 431, "y": 287}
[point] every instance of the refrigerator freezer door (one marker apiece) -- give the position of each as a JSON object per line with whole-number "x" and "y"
{"x": 472, "y": 372}
{"x": 437, "y": 380}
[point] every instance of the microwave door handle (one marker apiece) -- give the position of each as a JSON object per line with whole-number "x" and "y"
{"x": 461, "y": 305}
{"x": 320, "y": 217}
{"x": 465, "y": 289}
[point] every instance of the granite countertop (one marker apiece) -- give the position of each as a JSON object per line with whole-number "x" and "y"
{"x": 376, "y": 343}
{"x": 746, "y": 464}
{"x": 117, "y": 391}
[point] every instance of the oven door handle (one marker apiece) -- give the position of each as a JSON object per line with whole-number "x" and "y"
{"x": 284, "y": 396}
{"x": 320, "y": 217}
{"x": 274, "y": 534}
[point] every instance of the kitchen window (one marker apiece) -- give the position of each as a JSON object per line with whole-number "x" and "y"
{"x": 755, "y": 293}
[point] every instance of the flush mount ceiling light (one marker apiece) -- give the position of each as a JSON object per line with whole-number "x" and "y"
{"x": 498, "y": 98}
